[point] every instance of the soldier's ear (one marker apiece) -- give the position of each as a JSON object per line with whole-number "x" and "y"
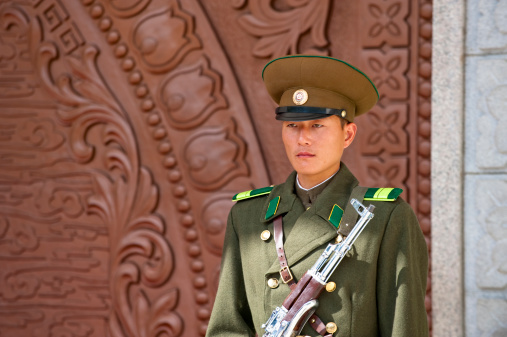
{"x": 349, "y": 132}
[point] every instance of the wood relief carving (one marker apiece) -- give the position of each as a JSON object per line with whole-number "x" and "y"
{"x": 162, "y": 50}
{"x": 280, "y": 30}
{"x": 191, "y": 94}
{"x": 126, "y": 127}
{"x": 214, "y": 157}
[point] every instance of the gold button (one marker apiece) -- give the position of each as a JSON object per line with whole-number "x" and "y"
{"x": 331, "y": 327}
{"x": 344, "y": 113}
{"x": 265, "y": 235}
{"x": 273, "y": 283}
{"x": 339, "y": 238}
{"x": 330, "y": 287}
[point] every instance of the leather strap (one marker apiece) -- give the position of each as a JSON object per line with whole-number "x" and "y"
{"x": 350, "y": 215}
{"x": 286, "y": 274}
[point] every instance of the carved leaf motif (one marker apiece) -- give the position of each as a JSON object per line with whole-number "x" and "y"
{"x": 214, "y": 156}
{"x": 393, "y": 10}
{"x": 385, "y": 130}
{"x": 388, "y": 72}
{"x": 386, "y": 23}
{"x": 280, "y": 31}
{"x": 375, "y": 10}
{"x": 192, "y": 94}
{"x": 163, "y": 39}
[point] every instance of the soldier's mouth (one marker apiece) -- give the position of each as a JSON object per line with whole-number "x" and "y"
{"x": 305, "y": 155}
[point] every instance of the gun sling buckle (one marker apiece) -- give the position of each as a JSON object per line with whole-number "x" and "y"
{"x": 286, "y": 274}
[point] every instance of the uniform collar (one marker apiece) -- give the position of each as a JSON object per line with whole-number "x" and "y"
{"x": 336, "y": 192}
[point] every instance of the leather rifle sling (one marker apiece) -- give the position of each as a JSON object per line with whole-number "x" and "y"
{"x": 285, "y": 273}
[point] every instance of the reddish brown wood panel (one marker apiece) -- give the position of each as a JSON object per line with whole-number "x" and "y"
{"x": 126, "y": 127}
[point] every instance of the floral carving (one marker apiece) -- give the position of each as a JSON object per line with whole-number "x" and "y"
{"x": 388, "y": 71}
{"x": 215, "y": 155}
{"x": 124, "y": 196}
{"x": 280, "y": 31}
{"x": 385, "y": 130}
{"x": 163, "y": 49}
{"x": 386, "y": 23}
{"x": 191, "y": 94}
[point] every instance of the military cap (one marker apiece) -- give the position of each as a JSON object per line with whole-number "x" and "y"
{"x": 310, "y": 87}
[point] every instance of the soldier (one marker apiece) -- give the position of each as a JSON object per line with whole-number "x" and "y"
{"x": 379, "y": 287}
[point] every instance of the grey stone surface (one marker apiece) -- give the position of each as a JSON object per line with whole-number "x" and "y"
{"x": 485, "y": 248}
{"x": 486, "y": 114}
{"x": 486, "y": 26}
{"x": 486, "y": 255}
{"x": 447, "y": 167}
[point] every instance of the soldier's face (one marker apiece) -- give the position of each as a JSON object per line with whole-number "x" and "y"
{"x": 315, "y": 147}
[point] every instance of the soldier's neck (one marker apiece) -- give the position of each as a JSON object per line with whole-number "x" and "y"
{"x": 309, "y": 195}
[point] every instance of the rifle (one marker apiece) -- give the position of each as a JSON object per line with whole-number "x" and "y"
{"x": 289, "y": 319}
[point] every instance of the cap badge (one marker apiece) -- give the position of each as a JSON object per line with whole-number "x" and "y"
{"x": 300, "y": 97}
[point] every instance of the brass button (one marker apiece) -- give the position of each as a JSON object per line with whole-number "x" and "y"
{"x": 331, "y": 327}
{"x": 265, "y": 235}
{"x": 330, "y": 287}
{"x": 273, "y": 283}
{"x": 344, "y": 113}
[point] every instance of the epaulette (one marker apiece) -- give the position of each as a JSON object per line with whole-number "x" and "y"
{"x": 382, "y": 194}
{"x": 252, "y": 193}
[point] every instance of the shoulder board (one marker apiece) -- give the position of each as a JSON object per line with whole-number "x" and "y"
{"x": 382, "y": 194}
{"x": 252, "y": 193}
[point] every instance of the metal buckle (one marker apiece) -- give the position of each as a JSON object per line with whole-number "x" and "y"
{"x": 286, "y": 268}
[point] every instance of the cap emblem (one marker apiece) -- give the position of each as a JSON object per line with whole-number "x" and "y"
{"x": 300, "y": 97}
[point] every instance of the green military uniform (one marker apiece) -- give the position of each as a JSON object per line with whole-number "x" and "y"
{"x": 380, "y": 284}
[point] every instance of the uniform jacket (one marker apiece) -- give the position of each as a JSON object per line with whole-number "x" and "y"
{"x": 381, "y": 283}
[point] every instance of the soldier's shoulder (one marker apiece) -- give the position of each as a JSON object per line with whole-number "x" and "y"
{"x": 382, "y": 194}
{"x": 252, "y": 193}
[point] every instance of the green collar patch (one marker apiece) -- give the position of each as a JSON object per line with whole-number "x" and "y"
{"x": 335, "y": 218}
{"x": 382, "y": 194}
{"x": 272, "y": 207}
{"x": 252, "y": 193}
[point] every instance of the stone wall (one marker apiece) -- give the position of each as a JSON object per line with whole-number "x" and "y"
{"x": 485, "y": 182}
{"x": 469, "y": 168}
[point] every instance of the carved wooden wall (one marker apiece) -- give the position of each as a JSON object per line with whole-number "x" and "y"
{"x": 126, "y": 126}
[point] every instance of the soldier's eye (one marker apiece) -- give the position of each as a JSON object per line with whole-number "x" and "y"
{"x": 317, "y": 125}
{"x": 291, "y": 125}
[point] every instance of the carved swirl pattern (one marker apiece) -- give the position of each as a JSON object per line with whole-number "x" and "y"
{"x": 280, "y": 31}
{"x": 142, "y": 258}
{"x": 114, "y": 196}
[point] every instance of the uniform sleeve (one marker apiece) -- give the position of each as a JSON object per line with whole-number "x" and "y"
{"x": 402, "y": 275}
{"x": 231, "y": 313}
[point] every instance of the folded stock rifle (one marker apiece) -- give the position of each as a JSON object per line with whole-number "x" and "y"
{"x": 289, "y": 319}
